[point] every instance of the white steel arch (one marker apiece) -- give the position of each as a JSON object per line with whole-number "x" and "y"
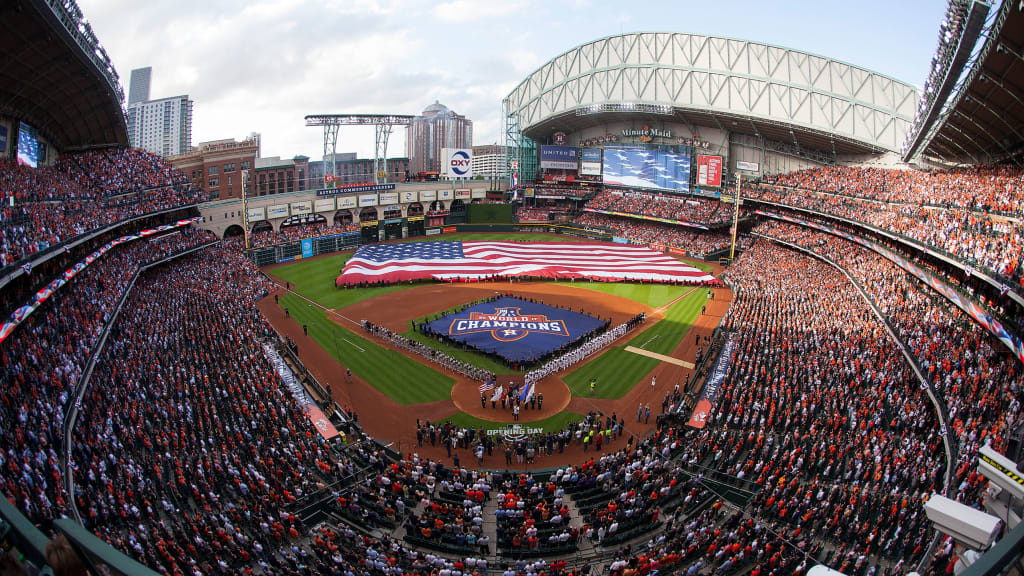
{"x": 720, "y": 75}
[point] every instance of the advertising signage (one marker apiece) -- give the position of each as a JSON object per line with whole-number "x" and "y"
{"x": 351, "y": 189}
{"x": 458, "y": 162}
{"x": 709, "y": 170}
{"x": 590, "y": 161}
{"x": 559, "y": 157}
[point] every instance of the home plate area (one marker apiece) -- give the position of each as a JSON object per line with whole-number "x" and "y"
{"x": 521, "y": 332}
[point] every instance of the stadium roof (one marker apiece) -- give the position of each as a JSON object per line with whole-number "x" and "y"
{"x": 984, "y": 121}
{"x": 745, "y": 87}
{"x": 57, "y": 78}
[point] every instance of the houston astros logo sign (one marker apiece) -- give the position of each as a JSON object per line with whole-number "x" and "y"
{"x": 507, "y": 324}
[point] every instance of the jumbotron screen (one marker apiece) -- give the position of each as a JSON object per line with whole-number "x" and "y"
{"x": 642, "y": 168}
{"x": 28, "y": 145}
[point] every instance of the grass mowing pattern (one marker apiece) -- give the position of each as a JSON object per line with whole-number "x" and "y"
{"x": 314, "y": 279}
{"x": 554, "y": 423}
{"x": 653, "y": 295}
{"x": 617, "y": 371}
{"x": 403, "y": 380}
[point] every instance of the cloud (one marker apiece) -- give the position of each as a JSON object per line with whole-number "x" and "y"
{"x": 262, "y": 65}
{"x": 470, "y": 10}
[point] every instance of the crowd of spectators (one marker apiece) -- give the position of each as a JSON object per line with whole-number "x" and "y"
{"x": 696, "y": 242}
{"x": 80, "y": 193}
{"x": 957, "y": 212}
{"x": 976, "y": 376}
{"x": 261, "y": 239}
{"x": 42, "y": 362}
{"x": 981, "y": 188}
{"x": 540, "y": 213}
{"x": 190, "y": 454}
{"x": 652, "y": 205}
{"x": 822, "y": 412}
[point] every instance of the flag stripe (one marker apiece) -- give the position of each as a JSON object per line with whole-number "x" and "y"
{"x": 473, "y": 260}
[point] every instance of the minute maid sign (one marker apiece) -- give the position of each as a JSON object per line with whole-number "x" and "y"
{"x": 507, "y": 324}
{"x": 647, "y": 134}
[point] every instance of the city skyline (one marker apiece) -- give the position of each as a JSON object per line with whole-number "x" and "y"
{"x": 262, "y": 66}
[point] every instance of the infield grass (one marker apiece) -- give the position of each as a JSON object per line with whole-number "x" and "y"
{"x": 403, "y": 380}
{"x": 550, "y": 424}
{"x": 617, "y": 371}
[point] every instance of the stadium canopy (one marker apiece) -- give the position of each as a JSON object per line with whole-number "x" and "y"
{"x": 982, "y": 118}
{"x": 56, "y": 76}
{"x": 744, "y": 87}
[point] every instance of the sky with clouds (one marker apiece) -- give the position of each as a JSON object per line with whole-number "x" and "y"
{"x": 263, "y": 65}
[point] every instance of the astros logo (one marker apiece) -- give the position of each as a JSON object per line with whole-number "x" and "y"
{"x": 507, "y": 324}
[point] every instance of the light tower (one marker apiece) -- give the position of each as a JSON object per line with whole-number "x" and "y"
{"x": 382, "y": 126}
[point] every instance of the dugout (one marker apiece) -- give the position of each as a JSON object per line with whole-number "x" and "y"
{"x": 416, "y": 226}
{"x": 393, "y": 229}
{"x": 369, "y": 231}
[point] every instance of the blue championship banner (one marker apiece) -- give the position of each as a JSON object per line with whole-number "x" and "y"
{"x": 514, "y": 329}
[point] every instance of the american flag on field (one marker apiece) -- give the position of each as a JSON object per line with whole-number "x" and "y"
{"x": 486, "y": 386}
{"x": 476, "y": 260}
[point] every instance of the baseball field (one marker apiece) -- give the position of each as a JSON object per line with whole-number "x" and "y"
{"x": 391, "y": 389}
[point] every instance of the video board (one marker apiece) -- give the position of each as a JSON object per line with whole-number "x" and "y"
{"x": 644, "y": 168}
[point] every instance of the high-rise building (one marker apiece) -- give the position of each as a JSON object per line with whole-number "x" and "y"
{"x": 437, "y": 128}
{"x": 490, "y": 161}
{"x": 162, "y": 126}
{"x": 138, "y": 89}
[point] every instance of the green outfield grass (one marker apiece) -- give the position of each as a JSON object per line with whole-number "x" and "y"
{"x": 403, "y": 380}
{"x": 551, "y": 424}
{"x": 653, "y": 295}
{"x": 617, "y": 371}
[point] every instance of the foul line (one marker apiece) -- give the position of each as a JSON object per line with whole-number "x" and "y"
{"x": 660, "y": 357}
{"x": 644, "y": 345}
{"x": 669, "y": 305}
{"x": 321, "y": 306}
{"x": 331, "y": 312}
{"x": 353, "y": 344}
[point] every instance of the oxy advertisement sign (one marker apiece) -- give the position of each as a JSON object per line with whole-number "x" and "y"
{"x": 458, "y": 162}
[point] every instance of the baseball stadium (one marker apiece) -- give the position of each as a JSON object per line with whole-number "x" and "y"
{"x": 737, "y": 309}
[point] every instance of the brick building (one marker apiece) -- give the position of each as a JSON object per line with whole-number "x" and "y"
{"x": 218, "y": 167}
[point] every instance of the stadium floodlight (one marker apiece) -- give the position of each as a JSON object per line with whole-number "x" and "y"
{"x": 968, "y": 526}
{"x": 1001, "y": 471}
